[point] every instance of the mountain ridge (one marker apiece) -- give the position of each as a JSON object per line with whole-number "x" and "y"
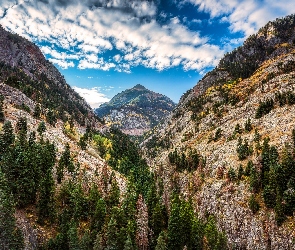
{"x": 214, "y": 145}
{"x": 135, "y": 110}
{"x": 23, "y": 66}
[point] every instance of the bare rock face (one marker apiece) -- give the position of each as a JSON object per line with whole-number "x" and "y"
{"x": 135, "y": 110}
{"x": 205, "y": 121}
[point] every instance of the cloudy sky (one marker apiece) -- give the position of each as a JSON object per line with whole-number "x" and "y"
{"x": 105, "y": 46}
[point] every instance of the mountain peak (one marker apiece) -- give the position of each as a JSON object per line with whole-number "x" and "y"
{"x": 139, "y": 86}
{"x": 136, "y": 110}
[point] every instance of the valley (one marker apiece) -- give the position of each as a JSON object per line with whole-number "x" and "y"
{"x": 215, "y": 171}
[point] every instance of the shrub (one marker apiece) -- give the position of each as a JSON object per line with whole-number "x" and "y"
{"x": 243, "y": 149}
{"x": 218, "y": 134}
{"x": 248, "y": 125}
{"x": 264, "y": 107}
{"x": 253, "y": 204}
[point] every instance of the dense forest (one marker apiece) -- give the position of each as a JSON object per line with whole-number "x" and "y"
{"x": 88, "y": 217}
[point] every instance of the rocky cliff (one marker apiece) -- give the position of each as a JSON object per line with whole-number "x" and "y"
{"x": 229, "y": 144}
{"x": 135, "y": 110}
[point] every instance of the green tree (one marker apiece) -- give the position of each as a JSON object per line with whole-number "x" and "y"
{"x": 240, "y": 172}
{"x": 248, "y": 125}
{"x": 41, "y": 128}
{"x": 216, "y": 240}
{"x": 253, "y": 204}
{"x": 197, "y": 234}
{"x": 73, "y": 237}
{"x": 10, "y": 236}
{"x": 65, "y": 163}
{"x": 112, "y": 235}
{"x": 51, "y": 117}
{"x": 128, "y": 244}
{"x": 255, "y": 180}
{"x": 179, "y": 224}
{"x": 45, "y": 204}
{"x": 2, "y": 115}
{"x": 238, "y": 129}
{"x": 231, "y": 174}
{"x": 114, "y": 194}
{"x": 37, "y": 111}
{"x": 249, "y": 168}
{"x": 6, "y": 137}
{"x": 162, "y": 241}
{"x": 174, "y": 232}
{"x": 83, "y": 142}
{"x": 243, "y": 149}
{"x": 98, "y": 218}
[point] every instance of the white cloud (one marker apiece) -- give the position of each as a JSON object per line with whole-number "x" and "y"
{"x": 86, "y": 33}
{"x": 85, "y": 30}
{"x": 245, "y": 15}
{"x": 92, "y": 96}
{"x": 62, "y": 63}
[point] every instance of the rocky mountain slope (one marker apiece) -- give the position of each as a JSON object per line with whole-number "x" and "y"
{"x": 23, "y": 66}
{"x": 229, "y": 144}
{"x": 67, "y": 181}
{"x": 135, "y": 110}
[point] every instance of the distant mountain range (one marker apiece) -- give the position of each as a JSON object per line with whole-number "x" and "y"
{"x": 135, "y": 110}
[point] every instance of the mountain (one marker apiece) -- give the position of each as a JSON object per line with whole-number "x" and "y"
{"x": 217, "y": 173}
{"x": 24, "y": 67}
{"x": 135, "y": 110}
{"x": 229, "y": 144}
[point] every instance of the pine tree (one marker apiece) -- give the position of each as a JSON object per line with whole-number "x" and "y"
{"x": 255, "y": 180}
{"x": 37, "y": 111}
{"x": 174, "y": 232}
{"x": 85, "y": 242}
{"x": 248, "y": 125}
{"x": 73, "y": 237}
{"x": 2, "y": 115}
{"x": 51, "y": 117}
{"x": 45, "y": 204}
{"x": 114, "y": 194}
{"x": 253, "y": 204}
{"x": 112, "y": 235}
{"x": 41, "y": 128}
{"x": 10, "y": 236}
{"x": 197, "y": 234}
{"x": 98, "y": 218}
{"x": 238, "y": 129}
{"x": 6, "y": 137}
{"x": 98, "y": 244}
{"x": 240, "y": 172}
{"x": 162, "y": 241}
{"x": 65, "y": 163}
{"x": 128, "y": 244}
{"x": 216, "y": 240}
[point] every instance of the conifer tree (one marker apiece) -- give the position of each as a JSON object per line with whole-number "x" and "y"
{"x": 114, "y": 193}
{"x": 6, "y": 137}
{"x": 248, "y": 125}
{"x": 10, "y": 236}
{"x": 41, "y": 128}
{"x": 37, "y": 111}
{"x": 2, "y": 116}
{"x": 128, "y": 244}
{"x": 112, "y": 235}
{"x": 65, "y": 163}
{"x": 162, "y": 241}
{"x": 45, "y": 204}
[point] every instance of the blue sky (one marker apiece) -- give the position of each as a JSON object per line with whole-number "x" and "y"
{"x": 105, "y": 46}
